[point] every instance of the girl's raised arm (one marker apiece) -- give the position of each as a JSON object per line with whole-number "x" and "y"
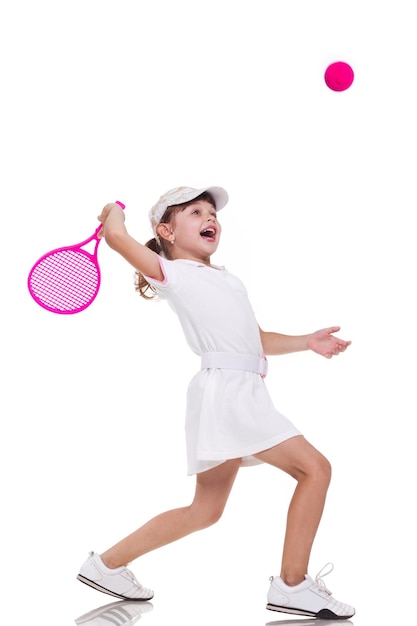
{"x": 115, "y": 233}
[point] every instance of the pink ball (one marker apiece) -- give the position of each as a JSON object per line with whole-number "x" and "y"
{"x": 339, "y": 76}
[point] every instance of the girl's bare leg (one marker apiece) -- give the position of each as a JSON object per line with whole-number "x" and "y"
{"x": 212, "y": 491}
{"x": 312, "y": 471}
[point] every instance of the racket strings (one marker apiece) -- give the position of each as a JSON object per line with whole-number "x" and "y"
{"x": 66, "y": 280}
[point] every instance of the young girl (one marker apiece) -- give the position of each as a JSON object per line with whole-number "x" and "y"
{"x": 230, "y": 419}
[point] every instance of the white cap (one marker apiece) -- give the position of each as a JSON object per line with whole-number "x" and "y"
{"x": 179, "y": 195}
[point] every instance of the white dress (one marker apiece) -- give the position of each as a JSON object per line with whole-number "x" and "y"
{"x": 229, "y": 412}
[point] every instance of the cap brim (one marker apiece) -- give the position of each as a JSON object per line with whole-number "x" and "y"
{"x": 220, "y": 196}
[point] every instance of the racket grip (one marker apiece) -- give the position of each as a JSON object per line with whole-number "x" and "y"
{"x": 123, "y": 206}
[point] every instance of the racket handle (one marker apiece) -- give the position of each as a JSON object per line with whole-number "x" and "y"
{"x": 122, "y": 206}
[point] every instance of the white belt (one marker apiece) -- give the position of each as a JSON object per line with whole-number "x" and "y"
{"x": 234, "y": 361}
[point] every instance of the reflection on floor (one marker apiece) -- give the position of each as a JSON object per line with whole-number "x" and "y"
{"x": 128, "y": 612}
{"x": 121, "y": 613}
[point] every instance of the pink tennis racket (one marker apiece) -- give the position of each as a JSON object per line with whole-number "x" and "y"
{"x": 66, "y": 280}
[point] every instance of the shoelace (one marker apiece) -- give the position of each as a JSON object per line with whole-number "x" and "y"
{"x": 133, "y": 578}
{"x": 321, "y": 586}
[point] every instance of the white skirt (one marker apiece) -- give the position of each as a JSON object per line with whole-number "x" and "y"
{"x": 230, "y": 415}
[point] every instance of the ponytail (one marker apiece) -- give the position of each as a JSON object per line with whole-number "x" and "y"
{"x": 145, "y": 289}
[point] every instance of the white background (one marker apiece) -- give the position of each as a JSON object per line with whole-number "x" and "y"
{"x": 124, "y": 100}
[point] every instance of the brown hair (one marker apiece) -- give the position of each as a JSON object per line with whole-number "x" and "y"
{"x": 161, "y": 247}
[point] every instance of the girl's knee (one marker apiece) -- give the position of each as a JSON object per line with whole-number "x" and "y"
{"x": 209, "y": 516}
{"x": 212, "y": 491}
{"x": 212, "y": 517}
{"x": 321, "y": 469}
{"x": 205, "y": 515}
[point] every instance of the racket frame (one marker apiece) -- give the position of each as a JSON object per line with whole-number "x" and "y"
{"x": 78, "y": 249}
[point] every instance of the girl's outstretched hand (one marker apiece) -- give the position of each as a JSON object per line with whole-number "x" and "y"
{"x": 323, "y": 342}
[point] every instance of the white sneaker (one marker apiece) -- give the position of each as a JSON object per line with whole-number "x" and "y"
{"x": 311, "y": 597}
{"x": 121, "y": 613}
{"x": 308, "y": 622}
{"x": 119, "y": 582}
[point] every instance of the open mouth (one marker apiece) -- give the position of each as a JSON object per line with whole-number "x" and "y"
{"x": 208, "y": 233}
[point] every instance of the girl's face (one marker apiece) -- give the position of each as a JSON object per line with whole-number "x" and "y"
{"x": 195, "y": 232}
